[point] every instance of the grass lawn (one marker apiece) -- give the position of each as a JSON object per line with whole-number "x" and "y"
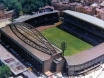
{"x": 74, "y": 44}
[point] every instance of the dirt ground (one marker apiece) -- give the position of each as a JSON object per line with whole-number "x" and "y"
{"x": 41, "y": 28}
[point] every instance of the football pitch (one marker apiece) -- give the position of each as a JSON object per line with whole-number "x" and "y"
{"x": 74, "y": 45}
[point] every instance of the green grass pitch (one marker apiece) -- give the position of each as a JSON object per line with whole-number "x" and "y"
{"x": 74, "y": 44}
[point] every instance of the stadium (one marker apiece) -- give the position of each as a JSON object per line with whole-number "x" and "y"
{"x": 83, "y": 35}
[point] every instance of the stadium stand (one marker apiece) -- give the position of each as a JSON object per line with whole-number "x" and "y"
{"x": 80, "y": 26}
{"x": 84, "y": 27}
{"x": 82, "y": 34}
{"x": 85, "y": 61}
{"x": 87, "y": 22}
{"x": 29, "y": 42}
{"x": 44, "y": 18}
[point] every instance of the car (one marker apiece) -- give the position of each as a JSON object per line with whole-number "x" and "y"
{"x": 7, "y": 46}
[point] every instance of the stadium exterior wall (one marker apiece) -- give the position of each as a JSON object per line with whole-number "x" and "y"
{"x": 48, "y": 63}
{"x": 86, "y": 67}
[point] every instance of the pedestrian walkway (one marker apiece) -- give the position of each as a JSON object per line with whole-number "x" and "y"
{"x": 3, "y": 23}
{"x": 41, "y": 28}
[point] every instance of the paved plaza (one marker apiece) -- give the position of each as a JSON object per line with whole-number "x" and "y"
{"x": 4, "y": 22}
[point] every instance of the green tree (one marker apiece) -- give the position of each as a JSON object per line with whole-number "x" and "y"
{"x": 18, "y": 9}
{"x": 1, "y": 1}
{"x": 4, "y": 71}
{"x": 13, "y": 4}
{"x": 29, "y": 6}
{"x": 25, "y": 6}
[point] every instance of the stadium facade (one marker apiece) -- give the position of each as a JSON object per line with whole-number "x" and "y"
{"x": 29, "y": 42}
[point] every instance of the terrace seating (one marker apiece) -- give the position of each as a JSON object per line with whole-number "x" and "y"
{"x": 44, "y": 19}
{"x": 86, "y": 26}
{"x": 83, "y": 34}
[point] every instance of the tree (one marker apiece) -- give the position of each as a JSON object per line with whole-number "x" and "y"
{"x": 5, "y": 71}
{"x": 11, "y": 4}
{"x": 18, "y": 9}
{"x": 29, "y": 6}
{"x": 25, "y": 6}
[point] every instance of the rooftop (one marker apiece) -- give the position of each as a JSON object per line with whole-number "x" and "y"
{"x": 32, "y": 51}
{"x": 35, "y": 44}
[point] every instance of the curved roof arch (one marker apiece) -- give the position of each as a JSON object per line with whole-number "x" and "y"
{"x": 85, "y": 17}
{"x": 28, "y": 34}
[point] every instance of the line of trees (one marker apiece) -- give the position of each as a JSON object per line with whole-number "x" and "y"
{"x": 25, "y": 6}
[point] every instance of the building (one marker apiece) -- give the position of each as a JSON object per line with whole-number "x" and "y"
{"x": 84, "y": 26}
{"x": 89, "y": 7}
{"x": 29, "y": 42}
{"x": 90, "y": 2}
{"x": 47, "y": 8}
{"x": 46, "y": 57}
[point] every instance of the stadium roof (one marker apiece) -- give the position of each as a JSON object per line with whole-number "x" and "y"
{"x": 88, "y": 18}
{"x": 27, "y": 17}
{"x": 32, "y": 51}
{"x": 31, "y": 40}
{"x": 86, "y": 55}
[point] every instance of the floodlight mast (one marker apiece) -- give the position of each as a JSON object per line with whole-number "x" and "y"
{"x": 63, "y": 47}
{"x": 13, "y": 16}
